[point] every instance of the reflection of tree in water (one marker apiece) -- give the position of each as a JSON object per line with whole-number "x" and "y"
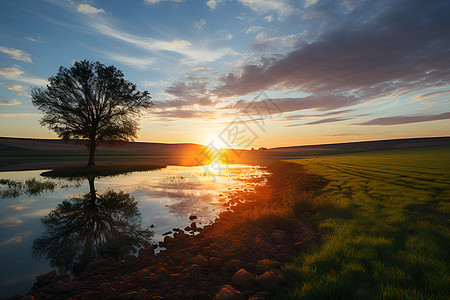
{"x": 82, "y": 230}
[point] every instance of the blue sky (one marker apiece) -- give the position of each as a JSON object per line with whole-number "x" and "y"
{"x": 335, "y": 71}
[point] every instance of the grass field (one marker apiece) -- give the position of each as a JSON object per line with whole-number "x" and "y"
{"x": 385, "y": 219}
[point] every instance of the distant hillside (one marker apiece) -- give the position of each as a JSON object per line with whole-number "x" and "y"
{"x": 29, "y": 154}
{"x": 373, "y": 145}
{"x": 23, "y": 144}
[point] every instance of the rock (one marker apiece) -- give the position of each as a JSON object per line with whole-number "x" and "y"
{"x": 64, "y": 287}
{"x": 194, "y": 269}
{"x": 300, "y": 246}
{"x": 270, "y": 281}
{"x": 130, "y": 258}
{"x": 243, "y": 279}
{"x": 162, "y": 273}
{"x": 168, "y": 240}
{"x": 200, "y": 260}
{"x": 279, "y": 236}
{"x": 233, "y": 265}
{"x": 46, "y": 278}
{"x": 215, "y": 262}
{"x": 192, "y": 218}
{"x": 130, "y": 295}
{"x": 203, "y": 295}
{"x": 146, "y": 252}
{"x": 142, "y": 293}
{"x": 227, "y": 292}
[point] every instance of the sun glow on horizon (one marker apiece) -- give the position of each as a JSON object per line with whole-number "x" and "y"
{"x": 215, "y": 142}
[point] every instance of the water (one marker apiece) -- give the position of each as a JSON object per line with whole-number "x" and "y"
{"x": 163, "y": 199}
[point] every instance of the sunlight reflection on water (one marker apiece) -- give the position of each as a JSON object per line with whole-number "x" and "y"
{"x": 166, "y": 198}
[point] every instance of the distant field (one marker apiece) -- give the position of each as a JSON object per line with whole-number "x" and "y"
{"x": 385, "y": 216}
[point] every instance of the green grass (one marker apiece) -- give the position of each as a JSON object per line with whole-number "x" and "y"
{"x": 101, "y": 170}
{"x": 385, "y": 219}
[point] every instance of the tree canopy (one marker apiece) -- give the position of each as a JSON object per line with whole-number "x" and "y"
{"x": 91, "y": 102}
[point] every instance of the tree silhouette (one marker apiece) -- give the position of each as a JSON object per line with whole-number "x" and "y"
{"x": 91, "y": 102}
{"x": 83, "y": 230}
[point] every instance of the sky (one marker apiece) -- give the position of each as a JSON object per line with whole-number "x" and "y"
{"x": 242, "y": 73}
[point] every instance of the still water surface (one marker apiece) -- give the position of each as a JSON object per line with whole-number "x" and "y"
{"x": 163, "y": 199}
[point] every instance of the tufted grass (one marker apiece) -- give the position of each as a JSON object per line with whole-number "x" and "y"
{"x": 385, "y": 219}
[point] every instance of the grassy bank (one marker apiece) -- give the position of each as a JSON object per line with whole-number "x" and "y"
{"x": 385, "y": 221}
{"x": 100, "y": 170}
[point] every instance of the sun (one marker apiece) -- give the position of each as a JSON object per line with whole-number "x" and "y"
{"x": 215, "y": 142}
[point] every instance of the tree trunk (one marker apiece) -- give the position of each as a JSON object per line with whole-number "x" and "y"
{"x": 92, "y": 188}
{"x": 91, "y": 162}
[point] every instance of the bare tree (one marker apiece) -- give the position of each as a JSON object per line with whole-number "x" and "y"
{"x": 91, "y": 102}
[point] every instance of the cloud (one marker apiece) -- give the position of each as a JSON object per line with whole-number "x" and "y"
{"x": 300, "y": 117}
{"x": 310, "y": 2}
{"x": 282, "y": 7}
{"x": 323, "y": 121}
{"x": 424, "y": 98}
{"x": 319, "y": 102}
{"x": 213, "y": 3}
{"x": 12, "y": 86}
{"x": 13, "y": 208}
{"x": 88, "y": 9}
{"x": 187, "y": 94}
{"x": 10, "y": 222}
{"x": 135, "y": 62}
{"x": 31, "y": 39}
{"x": 16, "y": 54}
{"x": 14, "y": 73}
{"x": 150, "y": 2}
{"x": 199, "y": 24}
{"x": 18, "y": 115}
{"x": 404, "y": 48}
{"x": 147, "y": 83}
{"x": 254, "y": 29}
{"x": 179, "y": 46}
{"x": 3, "y": 101}
{"x": 398, "y": 120}
{"x": 269, "y": 18}
{"x": 263, "y": 41}
{"x": 17, "y": 239}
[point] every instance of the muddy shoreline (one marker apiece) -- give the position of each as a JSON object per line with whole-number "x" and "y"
{"x": 236, "y": 257}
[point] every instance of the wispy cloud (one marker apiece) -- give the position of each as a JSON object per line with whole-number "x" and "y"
{"x": 15, "y": 73}
{"x": 139, "y": 63}
{"x": 179, "y": 46}
{"x": 12, "y": 86}
{"x": 323, "y": 121}
{"x": 398, "y": 120}
{"x": 16, "y": 54}
{"x": 269, "y": 18}
{"x": 19, "y": 115}
{"x": 19, "y": 238}
{"x": 213, "y": 3}
{"x": 199, "y": 24}
{"x": 300, "y": 117}
{"x": 282, "y": 7}
{"x": 3, "y": 101}
{"x": 10, "y": 222}
{"x": 150, "y": 2}
{"x": 264, "y": 42}
{"x": 88, "y": 9}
